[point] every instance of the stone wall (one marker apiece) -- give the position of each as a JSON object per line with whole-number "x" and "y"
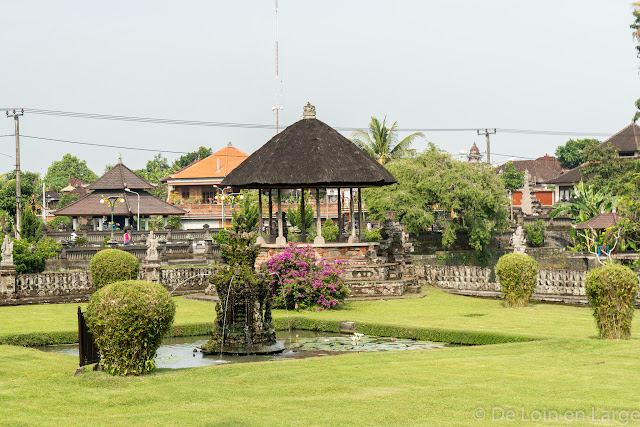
{"x": 75, "y": 286}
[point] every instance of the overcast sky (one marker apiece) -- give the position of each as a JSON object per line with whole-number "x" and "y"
{"x": 556, "y": 65}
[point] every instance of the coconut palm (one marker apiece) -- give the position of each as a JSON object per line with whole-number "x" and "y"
{"x": 381, "y": 142}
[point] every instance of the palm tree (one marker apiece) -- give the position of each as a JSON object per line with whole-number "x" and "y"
{"x": 381, "y": 142}
{"x": 585, "y": 203}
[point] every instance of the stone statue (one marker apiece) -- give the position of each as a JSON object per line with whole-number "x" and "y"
{"x": 518, "y": 241}
{"x": 152, "y": 247}
{"x": 7, "y": 252}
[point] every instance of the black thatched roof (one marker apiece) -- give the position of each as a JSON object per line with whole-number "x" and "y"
{"x": 309, "y": 154}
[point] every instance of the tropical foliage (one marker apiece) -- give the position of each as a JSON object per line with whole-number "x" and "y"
{"x": 433, "y": 188}
{"x": 30, "y": 257}
{"x": 295, "y": 214}
{"x": 381, "y": 142}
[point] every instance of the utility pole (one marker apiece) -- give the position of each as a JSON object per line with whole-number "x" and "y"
{"x": 16, "y": 116}
{"x": 486, "y": 133}
{"x": 277, "y": 108}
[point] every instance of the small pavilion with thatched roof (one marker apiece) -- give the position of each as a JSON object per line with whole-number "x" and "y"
{"x": 130, "y": 196}
{"x": 309, "y": 154}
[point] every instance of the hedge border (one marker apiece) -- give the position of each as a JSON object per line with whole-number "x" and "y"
{"x": 451, "y": 336}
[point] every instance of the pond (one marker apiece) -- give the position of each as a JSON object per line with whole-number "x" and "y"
{"x": 183, "y": 352}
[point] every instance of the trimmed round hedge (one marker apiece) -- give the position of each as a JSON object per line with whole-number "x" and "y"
{"x": 611, "y": 291}
{"x": 113, "y": 265}
{"x": 128, "y": 320}
{"x": 518, "y": 275}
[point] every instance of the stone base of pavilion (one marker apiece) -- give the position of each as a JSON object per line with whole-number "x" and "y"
{"x": 365, "y": 274}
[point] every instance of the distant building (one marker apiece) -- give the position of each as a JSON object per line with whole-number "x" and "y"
{"x": 540, "y": 170}
{"x": 474, "y": 155}
{"x": 76, "y": 186}
{"x": 626, "y": 142}
{"x": 195, "y": 186}
{"x": 199, "y": 181}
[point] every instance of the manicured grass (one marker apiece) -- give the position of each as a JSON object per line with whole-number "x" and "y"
{"x": 565, "y": 369}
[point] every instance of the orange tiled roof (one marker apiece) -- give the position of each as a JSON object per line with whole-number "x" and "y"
{"x": 230, "y": 157}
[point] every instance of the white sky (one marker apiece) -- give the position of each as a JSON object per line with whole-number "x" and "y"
{"x": 562, "y": 65}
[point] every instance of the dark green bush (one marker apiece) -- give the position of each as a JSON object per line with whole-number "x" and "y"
{"x": 30, "y": 261}
{"x": 113, "y": 265}
{"x": 611, "y": 291}
{"x": 534, "y": 232}
{"x": 518, "y": 275}
{"x": 64, "y": 220}
{"x": 128, "y": 320}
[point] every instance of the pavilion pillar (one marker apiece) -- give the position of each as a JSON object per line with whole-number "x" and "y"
{"x": 260, "y": 240}
{"x": 146, "y": 224}
{"x": 319, "y": 240}
{"x": 164, "y": 220}
{"x": 100, "y": 222}
{"x": 352, "y": 237}
{"x": 75, "y": 222}
{"x": 126, "y": 221}
{"x": 340, "y": 224}
{"x": 360, "y": 214}
{"x": 271, "y": 233}
{"x": 281, "y": 240}
{"x": 303, "y": 220}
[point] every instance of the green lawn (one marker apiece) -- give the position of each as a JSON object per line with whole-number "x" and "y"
{"x": 568, "y": 373}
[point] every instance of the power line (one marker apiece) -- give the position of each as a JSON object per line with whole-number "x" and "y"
{"x": 105, "y": 145}
{"x": 135, "y": 119}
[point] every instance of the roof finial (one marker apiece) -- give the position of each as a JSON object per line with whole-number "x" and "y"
{"x": 308, "y": 111}
{"x": 119, "y": 158}
{"x": 229, "y": 144}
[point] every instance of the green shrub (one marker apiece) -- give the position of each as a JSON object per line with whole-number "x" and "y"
{"x": 611, "y": 291}
{"x": 373, "y": 235}
{"x": 28, "y": 261}
{"x": 534, "y": 232}
{"x": 128, "y": 320}
{"x": 329, "y": 230}
{"x": 113, "y": 265}
{"x": 81, "y": 241}
{"x": 105, "y": 241}
{"x": 55, "y": 223}
{"x": 518, "y": 274}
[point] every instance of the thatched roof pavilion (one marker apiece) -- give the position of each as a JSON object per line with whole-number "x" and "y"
{"x": 136, "y": 203}
{"x": 309, "y": 154}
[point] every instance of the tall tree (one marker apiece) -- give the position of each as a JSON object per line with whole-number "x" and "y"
{"x": 573, "y": 153}
{"x": 189, "y": 158}
{"x": 381, "y": 142}
{"x": 435, "y": 188}
{"x": 511, "y": 178}
{"x": 606, "y": 169}
{"x": 156, "y": 169}
{"x": 28, "y": 186}
{"x": 59, "y": 172}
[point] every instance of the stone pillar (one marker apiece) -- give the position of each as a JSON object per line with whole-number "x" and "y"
{"x": 190, "y": 240}
{"x": 151, "y": 272}
{"x": 260, "y": 239}
{"x": 303, "y": 218}
{"x": 7, "y": 282}
{"x": 271, "y": 233}
{"x": 340, "y": 224}
{"x": 281, "y": 240}
{"x": 319, "y": 240}
{"x": 352, "y": 237}
{"x": 360, "y": 214}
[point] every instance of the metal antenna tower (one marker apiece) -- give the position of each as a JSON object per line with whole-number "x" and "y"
{"x": 277, "y": 108}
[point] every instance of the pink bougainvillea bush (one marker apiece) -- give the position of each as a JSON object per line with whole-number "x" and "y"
{"x": 298, "y": 281}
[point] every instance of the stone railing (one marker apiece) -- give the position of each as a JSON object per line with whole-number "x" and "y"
{"x": 552, "y": 285}
{"x": 97, "y": 237}
{"x": 75, "y": 286}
